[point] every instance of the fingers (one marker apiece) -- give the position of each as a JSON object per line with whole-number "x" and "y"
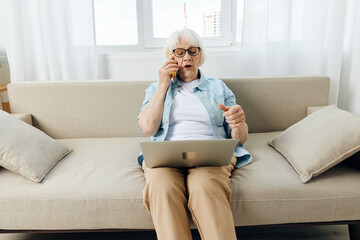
{"x": 234, "y": 115}
{"x": 169, "y": 61}
{"x": 223, "y": 107}
{"x": 171, "y": 57}
{"x": 236, "y": 119}
{"x": 233, "y": 110}
{"x": 165, "y": 72}
{"x": 238, "y": 115}
{"x": 171, "y": 70}
{"x": 171, "y": 66}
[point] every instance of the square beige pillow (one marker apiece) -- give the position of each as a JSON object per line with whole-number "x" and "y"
{"x": 320, "y": 141}
{"x": 26, "y": 150}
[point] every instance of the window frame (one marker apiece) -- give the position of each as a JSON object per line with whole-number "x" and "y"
{"x": 224, "y": 40}
{"x": 146, "y": 41}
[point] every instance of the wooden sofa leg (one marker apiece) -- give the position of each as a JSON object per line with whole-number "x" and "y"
{"x": 354, "y": 231}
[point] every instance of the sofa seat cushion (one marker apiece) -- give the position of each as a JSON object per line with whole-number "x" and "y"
{"x": 99, "y": 186}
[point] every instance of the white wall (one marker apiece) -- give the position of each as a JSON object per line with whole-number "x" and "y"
{"x": 349, "y": 93}
{"x": 220, "y": 63}
{"x": 144, "y": 66}
{"x": 2, "y": 44}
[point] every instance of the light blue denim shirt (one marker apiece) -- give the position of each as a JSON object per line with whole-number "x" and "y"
{"x": 210, "y": 91}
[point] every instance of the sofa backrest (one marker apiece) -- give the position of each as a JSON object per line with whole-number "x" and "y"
{"x": 107, "y": 108}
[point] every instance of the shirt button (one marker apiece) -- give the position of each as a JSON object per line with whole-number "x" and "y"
{"x": 166, "y": 122}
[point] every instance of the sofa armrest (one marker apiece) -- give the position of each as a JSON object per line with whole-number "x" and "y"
{"x": 312, "y": 109}
{"x": 26, "y": 117}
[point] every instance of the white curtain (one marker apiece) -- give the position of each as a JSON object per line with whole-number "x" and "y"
{"x": 349, "y": 95}
{"x": 293, "y": 37}
{"x": 49, "y": 40}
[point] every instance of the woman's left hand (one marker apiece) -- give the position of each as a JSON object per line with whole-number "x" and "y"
{"x": 234, "y": 115}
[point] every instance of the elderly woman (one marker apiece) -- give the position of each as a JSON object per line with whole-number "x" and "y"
{"x": 192, "y": 107}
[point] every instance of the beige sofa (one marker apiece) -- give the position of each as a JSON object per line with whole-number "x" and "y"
{"x": 98, "y": 186}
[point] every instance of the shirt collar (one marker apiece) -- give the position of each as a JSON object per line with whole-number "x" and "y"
{"x": 202, "y": 82}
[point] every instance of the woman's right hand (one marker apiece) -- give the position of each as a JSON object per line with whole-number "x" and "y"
{"x": 150, "y": 117}
{"x": 165, "y": 72}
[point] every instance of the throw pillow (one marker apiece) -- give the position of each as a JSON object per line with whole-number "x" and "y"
{"x": 26, "y": 150}
{"x": 320, "y": 141}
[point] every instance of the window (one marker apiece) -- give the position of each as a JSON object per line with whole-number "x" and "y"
{"x": 239, "y": 19}
{"x": 145, "y": 24}
{"x": 115, "y": 22}
{"x": 203, "y": 16}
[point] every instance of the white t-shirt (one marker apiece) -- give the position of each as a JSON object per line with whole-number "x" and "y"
{"x": 188, "y": 117}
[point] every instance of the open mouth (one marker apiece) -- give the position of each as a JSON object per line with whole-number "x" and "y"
{"x": 188, "y": 66}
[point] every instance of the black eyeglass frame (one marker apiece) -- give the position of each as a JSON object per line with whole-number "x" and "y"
{"x": 186, "y": 50}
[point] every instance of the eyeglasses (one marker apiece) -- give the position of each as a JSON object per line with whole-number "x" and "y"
{"x": 180, "y": 52}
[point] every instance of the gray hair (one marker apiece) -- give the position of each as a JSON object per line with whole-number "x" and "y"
{"x": 186, "y": 35}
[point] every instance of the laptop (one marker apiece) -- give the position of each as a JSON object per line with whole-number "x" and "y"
{"x": 188, "y": 153}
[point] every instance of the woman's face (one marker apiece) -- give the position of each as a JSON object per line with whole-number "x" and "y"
{"x": 188, "y": 65}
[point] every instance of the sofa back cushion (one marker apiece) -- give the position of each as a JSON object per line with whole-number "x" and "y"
{"x": 108, "y": 108}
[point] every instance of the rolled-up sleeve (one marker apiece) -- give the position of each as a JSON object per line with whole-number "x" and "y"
{"x": 149, "y": 92}
{"x": 230, "y": 100}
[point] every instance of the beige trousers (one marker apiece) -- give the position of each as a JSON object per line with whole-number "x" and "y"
{"x": 170, "y": 193}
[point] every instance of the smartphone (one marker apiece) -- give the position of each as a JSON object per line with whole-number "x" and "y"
{"x": 173, "y": 74}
